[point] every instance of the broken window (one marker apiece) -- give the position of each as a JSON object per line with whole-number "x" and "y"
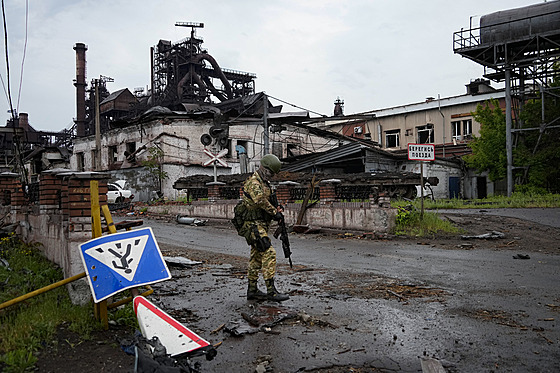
{"x": 392, "y": 138}
{"x": 112, "y": 154}
{"x": 130, "y": 147}
{"x": 425, "y": 134}
{"x": 80, "y": 162}
{"x": 241, "y": 147}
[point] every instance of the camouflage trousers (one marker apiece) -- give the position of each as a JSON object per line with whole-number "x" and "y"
{"x": 262, "y": 261}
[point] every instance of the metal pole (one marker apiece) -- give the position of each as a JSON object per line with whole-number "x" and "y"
{"x": 97, "y": 129}
{"x": 442, "y": 124}
{"x": 509, "y": 144}
{"x": 215, "y": 166}
{"x": 265, "y": 124}
{"x": 421, "y": 190}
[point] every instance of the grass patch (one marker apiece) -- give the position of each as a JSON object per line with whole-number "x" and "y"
{"x": 409, "y": 222}
{"x": 517, "y": 200}
{"x": 30, "y": 325}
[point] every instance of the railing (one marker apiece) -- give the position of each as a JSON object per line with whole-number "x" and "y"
{"x": 354, "y": 192}
{"x": 197, "y": 193}
{"x": 229, "y": 193}
{"x": 297, "y": 194}
{"x": 466, "y": 39}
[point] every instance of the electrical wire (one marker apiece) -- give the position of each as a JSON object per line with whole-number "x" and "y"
{"x": 24, "y": 52}
{"x": 287, "y": 103}
{"x": 7, "y": 59}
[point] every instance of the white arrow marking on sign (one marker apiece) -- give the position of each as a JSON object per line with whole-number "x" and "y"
{"x": 121, "y": 256}
{"x": 215, "y": 157}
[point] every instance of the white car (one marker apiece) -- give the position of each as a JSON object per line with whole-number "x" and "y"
{"x": 117, "y": 192}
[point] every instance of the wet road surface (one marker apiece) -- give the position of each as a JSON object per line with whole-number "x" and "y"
{"x": 490, "y": 313}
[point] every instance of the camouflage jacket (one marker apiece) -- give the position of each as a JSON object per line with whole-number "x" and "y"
{"x": 257, "y": 197}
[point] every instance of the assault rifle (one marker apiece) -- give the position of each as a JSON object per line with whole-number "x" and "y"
{"x": 282, "y": 231}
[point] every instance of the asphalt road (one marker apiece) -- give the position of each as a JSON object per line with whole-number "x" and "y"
{"x": 497, "y": 315}
{"x": 549, "y": 216}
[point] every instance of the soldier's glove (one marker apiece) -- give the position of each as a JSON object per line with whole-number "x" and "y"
{"x": 278, "y": 216}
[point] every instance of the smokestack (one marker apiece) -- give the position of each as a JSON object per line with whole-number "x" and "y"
{"x": 80, "y": 84}
{"x": 24, "y": 121}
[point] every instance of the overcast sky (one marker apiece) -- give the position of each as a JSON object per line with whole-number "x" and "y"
{"x": 372, "y": 54}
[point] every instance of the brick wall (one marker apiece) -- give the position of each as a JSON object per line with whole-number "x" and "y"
{"x": 60, "y": 222}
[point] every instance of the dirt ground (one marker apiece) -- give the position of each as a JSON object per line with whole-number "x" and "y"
{"x": 103, "y": 353}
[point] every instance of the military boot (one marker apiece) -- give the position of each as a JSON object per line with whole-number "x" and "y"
{"x": 273, "y": 294}
{"x": 253, "y": 292}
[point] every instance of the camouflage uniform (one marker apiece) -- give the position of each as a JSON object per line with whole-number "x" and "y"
{"x": 256, "y": 197}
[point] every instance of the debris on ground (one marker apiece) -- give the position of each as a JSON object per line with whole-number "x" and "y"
{"x": 486, "y": 236}
{"x": 521, "y": 256}
{"x": 182, "y": 219}
{"x": 179, "y": 261}
{"x": 259, "y": 318}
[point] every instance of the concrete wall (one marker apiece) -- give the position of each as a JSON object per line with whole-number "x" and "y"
{"x": 355, "y": 216}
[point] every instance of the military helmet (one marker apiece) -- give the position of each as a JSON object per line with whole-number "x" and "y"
{"x": 271, "y": 162}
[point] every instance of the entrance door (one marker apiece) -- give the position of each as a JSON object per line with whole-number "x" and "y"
{"x": 454, "y": 186}
{"x": 481, "y": 187}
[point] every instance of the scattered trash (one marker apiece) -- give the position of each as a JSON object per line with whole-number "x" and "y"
{"x": 259, "y": 319}
{"x": 151, "y": 356}
{"x": 179, "y": 261}
{"x": 305, "y": 229}
{"x": 521, "y": 256}
{"x": 486, "y": 236}
{"x": 190, "y": 221}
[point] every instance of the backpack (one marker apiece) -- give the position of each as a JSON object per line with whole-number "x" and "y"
{"x": 239, "y": 214}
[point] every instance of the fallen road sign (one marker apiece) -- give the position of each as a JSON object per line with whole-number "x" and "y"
{"x": 174, "y": 336}
{"x": 120, "y": 261}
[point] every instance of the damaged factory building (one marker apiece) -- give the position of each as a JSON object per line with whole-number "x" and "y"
{"x": 200, "y": 120}
{"x": 194, "y": 108}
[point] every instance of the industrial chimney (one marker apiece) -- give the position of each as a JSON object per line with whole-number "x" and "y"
{"x": 80, "y": 84}
{"x": 338, "y": 107}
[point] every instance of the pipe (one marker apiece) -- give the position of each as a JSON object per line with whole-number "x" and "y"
{"x": 42, "y": 290}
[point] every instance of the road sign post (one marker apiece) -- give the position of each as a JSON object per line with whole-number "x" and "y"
{"x": 215, "y": 159}
{"x": 422, "y": 153}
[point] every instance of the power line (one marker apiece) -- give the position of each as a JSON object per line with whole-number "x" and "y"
{"x": 7, "y": 60}
{"x": 287, "y": 103}
{"x": 24, "y": 52}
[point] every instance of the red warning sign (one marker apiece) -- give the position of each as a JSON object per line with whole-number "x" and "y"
{"x": 174, "y": 336}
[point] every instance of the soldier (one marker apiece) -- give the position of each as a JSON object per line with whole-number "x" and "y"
{"x": 258, "y": 215}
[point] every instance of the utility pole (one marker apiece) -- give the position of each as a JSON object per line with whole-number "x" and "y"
{"x": 97, "y": 82}
{"x": 265, "y": 124}
{"x": 97, "y": 128}
{"x": 509, "y": 142}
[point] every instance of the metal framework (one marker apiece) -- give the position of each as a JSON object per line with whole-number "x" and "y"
{"x": 520, "y": 47}
{"x": 184, "y": 72}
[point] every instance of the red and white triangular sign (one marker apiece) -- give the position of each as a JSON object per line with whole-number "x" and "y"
{"x": 174, "y": 336}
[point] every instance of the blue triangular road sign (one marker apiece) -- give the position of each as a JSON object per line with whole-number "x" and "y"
{"x": 121, "y": 261}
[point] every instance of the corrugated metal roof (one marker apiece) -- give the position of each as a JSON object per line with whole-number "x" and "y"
{"x": 334, "y": 154}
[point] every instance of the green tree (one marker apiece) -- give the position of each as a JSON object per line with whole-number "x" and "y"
{"x": 154, "y": 164}
{"x": 489, "y": 148}
{"x": 538, "y": 150}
